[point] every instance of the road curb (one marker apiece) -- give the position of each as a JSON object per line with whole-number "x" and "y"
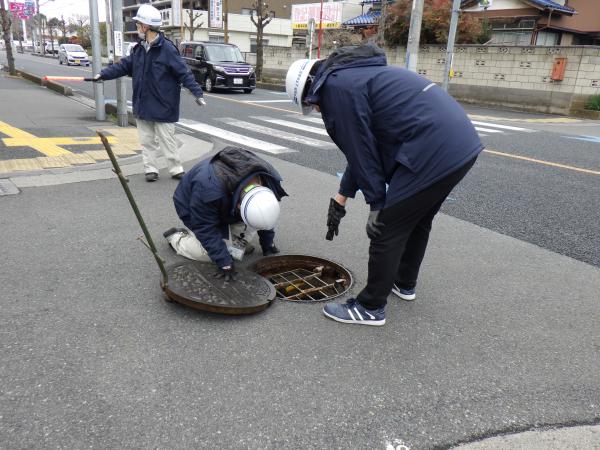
{"x": 56, "y": 87}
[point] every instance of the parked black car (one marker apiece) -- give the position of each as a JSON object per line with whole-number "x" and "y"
{"x": 219, "y": 66}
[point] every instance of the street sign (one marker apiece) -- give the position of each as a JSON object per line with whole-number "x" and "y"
{"x": 118, "y": 38}
{"x": 176, "y": 13}
{"x": 215, "y": 9}
{"x": 302, "y": 13}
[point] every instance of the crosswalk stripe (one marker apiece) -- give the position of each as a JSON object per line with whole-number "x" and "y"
{"x": 237, "y": 138}
{"x": 276, "y": 133}
{"x": 318, "y": 120}
{"x": 297, "y": 126}
{"x": 488, "y": 130}
{"x": 502, "y": 127}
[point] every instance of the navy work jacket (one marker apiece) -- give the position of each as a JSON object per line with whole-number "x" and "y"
{"x": 394, "y": 126}
{"x": 157, "y": 78}
{"x": 207, "y": 208}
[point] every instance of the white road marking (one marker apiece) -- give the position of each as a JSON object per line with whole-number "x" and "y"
{"x": 266, "y": 101}
{"x": 313, "y": 119}
{"x": 234, "y": 137}
{"x": 502, "y": 127}
{"x": 276, "y": 93}
{"x": 276, "y": 133}
{"x": 296, "y": 126}
{"x": 488, "y": 130}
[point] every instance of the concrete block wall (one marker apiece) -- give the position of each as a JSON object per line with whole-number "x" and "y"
{"x": 517, "y": 77}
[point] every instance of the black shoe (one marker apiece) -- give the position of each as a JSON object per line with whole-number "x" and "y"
{"x": 272, "y": 250}
{"x": 151, "y": 176}
{"x": 171, "y": 231}
{"x": 178, "y": 176}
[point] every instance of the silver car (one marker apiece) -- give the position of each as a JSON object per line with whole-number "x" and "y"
{"x": 73, "y": 54}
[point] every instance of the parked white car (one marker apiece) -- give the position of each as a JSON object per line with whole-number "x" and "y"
{"x": 73, "y": 54}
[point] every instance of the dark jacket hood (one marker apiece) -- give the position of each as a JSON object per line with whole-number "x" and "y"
{"x": 344, "y": 58}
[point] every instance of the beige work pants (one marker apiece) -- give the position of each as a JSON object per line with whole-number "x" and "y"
{"x": 155, "y": 137}
{"x": 186, "y": 244}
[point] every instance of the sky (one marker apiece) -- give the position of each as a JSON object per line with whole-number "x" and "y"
{"x": 70, "y": 8}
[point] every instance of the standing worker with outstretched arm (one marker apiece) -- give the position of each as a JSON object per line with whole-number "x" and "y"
{"x": 158, "y": 72}
{"x": 407, "y": 144}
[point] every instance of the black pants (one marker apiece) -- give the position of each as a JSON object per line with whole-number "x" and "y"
{"x": 396, "y": 255}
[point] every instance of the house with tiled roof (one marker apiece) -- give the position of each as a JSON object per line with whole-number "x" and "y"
{"x": 539, "y": 22}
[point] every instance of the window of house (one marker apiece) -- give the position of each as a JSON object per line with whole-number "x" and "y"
{"x": 547, "y": 38}
{"x": 216, "y": 38}
{"x": 253, "y": 44}
{"x": 246, "y": 11}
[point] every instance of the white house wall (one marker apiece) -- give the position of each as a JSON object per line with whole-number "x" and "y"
{"x": 500, "y": 5}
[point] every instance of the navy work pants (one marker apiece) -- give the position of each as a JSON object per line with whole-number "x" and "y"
{"x": 396, "y": 255}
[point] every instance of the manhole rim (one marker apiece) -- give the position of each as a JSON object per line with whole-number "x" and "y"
{"x": 252, "y": 268}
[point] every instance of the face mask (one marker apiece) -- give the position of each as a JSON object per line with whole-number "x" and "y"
{"x": 141, "y": 35}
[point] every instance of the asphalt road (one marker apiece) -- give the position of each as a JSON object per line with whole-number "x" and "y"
{"x": 529, "y": 187}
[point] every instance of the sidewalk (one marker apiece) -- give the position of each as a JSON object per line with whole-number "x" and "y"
{"x": 42, "y": 132}
{"x": 503, "y": 336}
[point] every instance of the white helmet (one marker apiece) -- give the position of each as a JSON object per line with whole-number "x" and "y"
{"x": 295, "y": 82}
{"x": 148, "y": 15}
{"x": 259, "y": 208}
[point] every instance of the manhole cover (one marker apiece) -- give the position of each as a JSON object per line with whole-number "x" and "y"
{"x": 7, "y": 187}
{"x": 193, "y": 284}
{"x": 302, "y": 278}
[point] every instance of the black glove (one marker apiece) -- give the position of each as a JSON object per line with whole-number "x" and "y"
{"x": 227, "y": 273}
{"x": 272, "y": 250}
{"x": 374, "y": 228}
{"x": 334, "y": 217}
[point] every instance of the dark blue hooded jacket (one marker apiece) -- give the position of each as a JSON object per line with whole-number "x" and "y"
{"x": 394, "y": 126}
{"x": 207, "y": 196}
{"x": 157, "y": 78}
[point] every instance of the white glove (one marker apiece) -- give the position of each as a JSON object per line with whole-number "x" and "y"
{"x": 200, "y": 101}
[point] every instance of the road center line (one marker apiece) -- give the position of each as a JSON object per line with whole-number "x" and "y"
{"x": 545, "y": 163}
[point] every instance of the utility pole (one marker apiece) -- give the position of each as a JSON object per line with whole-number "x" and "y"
{"x": 109, "y": 45}
{"x": 414, "y": 36}
{"x": 6, "y": 32}
{"x": 39, "y": 28}
{"x": 97, "y": 60}
{"x": 450, "y": 46}
{"x": 226, "y": 21}
{"x": 117, "y": 16}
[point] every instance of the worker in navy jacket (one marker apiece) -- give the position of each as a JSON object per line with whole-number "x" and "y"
{"x": 407, "y": 144}
{"x": 231, "y": 196}
{"x": 158, "y": 72}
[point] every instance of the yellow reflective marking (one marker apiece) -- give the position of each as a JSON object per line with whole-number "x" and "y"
{"x": 540, "y": 161}
{"x": 34, "y": 142}
{"x": 25, "y": 142}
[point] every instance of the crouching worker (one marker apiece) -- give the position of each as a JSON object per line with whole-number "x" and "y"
{"x": 224, "y": 201}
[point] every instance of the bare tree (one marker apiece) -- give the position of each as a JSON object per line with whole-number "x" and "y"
{"x": 6, "y": 34}
{"x": 80, "y": 25}
{"x": 193, "y": 15}
{"x": 263, "y": 17}
{"x": 53, "y": 25}
{"x": 62, "y": 24}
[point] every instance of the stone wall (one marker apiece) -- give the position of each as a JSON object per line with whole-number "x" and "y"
{"x": 516, "y": 77}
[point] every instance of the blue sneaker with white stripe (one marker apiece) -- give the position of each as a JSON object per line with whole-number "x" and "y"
{"x": 404, "y": 294}
{"x": 354, "y": 312}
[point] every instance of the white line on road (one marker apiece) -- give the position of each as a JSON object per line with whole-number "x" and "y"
{"x": 277, "y": 93}
{"x": 276, "y": 133}
{"x": 318, "y": 120}
{"x": 502, "y": 127}
{"x": 296, "y": 126}
{"x": 488, "y": 130}
{"x": 234, "y": 137}
{"x": 266, "y": 101}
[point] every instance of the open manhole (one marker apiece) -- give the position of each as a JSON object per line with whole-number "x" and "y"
{"x": 302, "y": 278}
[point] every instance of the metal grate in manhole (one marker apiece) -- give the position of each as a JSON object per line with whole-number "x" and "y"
{"x": 7, "y": 187}
{"x": 302, "y": 278}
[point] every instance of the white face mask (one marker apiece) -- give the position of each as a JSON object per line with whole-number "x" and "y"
{"x": 141, "y": 34}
